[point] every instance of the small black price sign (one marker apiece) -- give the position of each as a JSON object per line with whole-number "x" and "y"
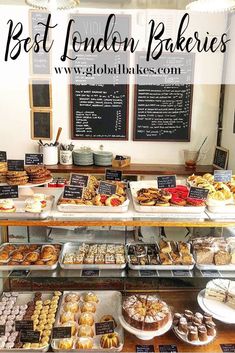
{"x": 3, "y": 156}
{"x": 148, "y": 273}
{"x": 19, "y": 273}
{"x": 166, "y": 181}
{"x": 119, "y": 158}
{"x": 223, "y": 176}
{"x": 62, "y": 332}
{"x": 168, "y": 348}
{"x": 15, "y": 165}
{"x": 33, "y": 158}
{"x": 79, "y": 180}
{"x": 210, "y": 273}
{"x": 145, "y": 348}
{"x": 181, "y": 273}
{"x": 102, "y": 328}
{"x": 90, "y": 273}
{"x": 106, "y": 188}
{"x": 2, "y": 330}
{"x": 24, "y": 325}
{"x": 30, "y": 336}
{"x": 198, "y": 193}
{"x": 73, "y": 192}
{"x": 228, "y": 348}
{"x": 112, "y": 174}
{"x": 9, "y": 192}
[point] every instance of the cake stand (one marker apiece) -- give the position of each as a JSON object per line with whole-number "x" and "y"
{"x": 145, "y": 335}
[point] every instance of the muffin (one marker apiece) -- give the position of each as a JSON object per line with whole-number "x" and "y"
{"x": 88, "y": 307}
{"x": 72, "y": 307}
{"x": 85, "y": 331}
{"x": 86, "y": 319}
{"x": 84, "y": 343}
{"x": 66, "y": 343}
{"x": 72, "y": 297}
{"x": 73, "y": 326}
{"x": 91, "y": 297}
{"x": 66, "y": 316}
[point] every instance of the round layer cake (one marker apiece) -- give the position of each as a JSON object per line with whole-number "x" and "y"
{"x": 145, "y": 312}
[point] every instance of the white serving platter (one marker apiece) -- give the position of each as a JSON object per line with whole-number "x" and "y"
{"x": 184, "y": 338}
{"x": 137, "y": 185}
{"x": 219, "y": 311}
{"x": 230, "y": 267}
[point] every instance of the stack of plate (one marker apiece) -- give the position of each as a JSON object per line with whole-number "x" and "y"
{"x": 103, "y": 158}
{"x": 83, "y": 157}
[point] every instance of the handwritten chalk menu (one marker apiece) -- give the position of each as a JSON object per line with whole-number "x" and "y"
{"x": 220, "y": 158}
{"x": 73, "y": 192}
{"x": 106, "y": 188}
{"x": 9, "y": 192}
{"x": 29, "y": 336}
{"x": 144, "y": 348}
{"x": 112, "y": 174}
{"x": 163, "y": 110}
{"x": 2, "y": 330}
{"x": 62, "y": 332}
{"x": 223, "y": 176}
{"x": 198, "y": 193}
{"x": 40, "y": 94}
{"x": 166, "y": 181}
{"x": 102, "y": 328}
{"x": 3, "y": 156}
{"x": 33, "y": 158}
{"x": 79, "y": 180}
{"x": 36, "y": 18}
{"x": 15, "y": 165}
{"x": 24, "y": 325}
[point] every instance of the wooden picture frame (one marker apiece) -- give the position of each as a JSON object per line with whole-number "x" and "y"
{"x": 41, "y": 124}
{"x": 220, "y": 160}
{"x": 40, "y": 94}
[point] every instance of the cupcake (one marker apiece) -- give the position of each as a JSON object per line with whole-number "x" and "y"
{"x": 86, "y": 319}
{"x": 85, "y": 331}
{"x": 202, "y": 333}
{"x": 91, "y": 297}
{"x": 88, "y": 307}
{"x": 192, "y": 333}
{"x": 183, "y": 325}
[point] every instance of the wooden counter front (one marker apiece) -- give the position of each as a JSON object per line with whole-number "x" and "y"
{"x": 136, "y": 169}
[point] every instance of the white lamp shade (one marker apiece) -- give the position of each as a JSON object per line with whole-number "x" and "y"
{"x": 53, "y": 4}
{"x": 211, "y": 6}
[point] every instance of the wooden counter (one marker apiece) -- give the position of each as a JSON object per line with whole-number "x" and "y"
{"x": 136, "y": 169}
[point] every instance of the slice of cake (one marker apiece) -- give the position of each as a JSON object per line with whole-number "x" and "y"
{"x": 222, "y": 257}
{"x": 217, "y": 290}
{"x": 204, "y": 256}
{"x": 231, "y": 295}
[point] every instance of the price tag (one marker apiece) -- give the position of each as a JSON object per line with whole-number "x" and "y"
{"x": 90, "y": 273}
{"x": 166, "y": 181}
{"x": 223, "y": 176}
{"x": 145, "y": 348}
{"x": 119, "y": 158}
{"x": 148, "y": 273}
{"x": 198, "y": 193}
{"x": 24, "y": 325}
{"x": 3, "y": 156}
{"x": 228, "y": 348}
{"x": 79, "y": 180}
{"x": 114, "y": 175}
{"x": 73, "y": 192}
{"x": 210, "y": 273}
{"x": 19, "y": 273}
{"x": 181, "y": 273}
{"x": 2, "y": 330}
{"x": 171, "y": 348}
{"x": 30, "y": 336}
{"x": 9, "y": 192}
{"x": 102, "y": 328}
{"x": 62, "y": 332}
{"x": 33, "y": 158}
{"x": 15, "y": 165}
{"x": 106, "y": 188}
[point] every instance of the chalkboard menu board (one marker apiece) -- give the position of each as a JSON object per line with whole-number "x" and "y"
{"x": 99, "y": 111}
{"x": 41, "y": 124}
{"x": 40, "y": 94}
{"x": 220, "y": 158}
{"x": 163, "y": 111}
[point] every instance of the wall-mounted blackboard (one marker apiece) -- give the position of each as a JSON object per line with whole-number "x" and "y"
{"x": 40, "y": 94}
{"x": 221, "y": 157}
{"x": 41, "y": 125}
{"x": 35, "y": 18}
{"x": 162, "y": 112}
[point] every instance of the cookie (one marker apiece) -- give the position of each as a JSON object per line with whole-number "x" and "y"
{"x": 16, "y": 174}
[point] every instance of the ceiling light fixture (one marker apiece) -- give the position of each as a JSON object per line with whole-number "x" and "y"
{"x": 51, "y": 5}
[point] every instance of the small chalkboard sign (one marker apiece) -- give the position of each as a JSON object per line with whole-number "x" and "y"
{"x": 19, "y": 273}
{"x": 3, "y": 156}
{"x": 40, "y": 94}
{"x": 9, "y": 192}
{"x": 166, "y": 181}
{"x": 103, "y": 328}
{"x": 33, "y": 158}
{"x": 148, "y": 273}
{"x": 221, "y": 158}
{"x": 181, "y": 273}
{"x": 228, "y": 347}
{"x": 62, "y": 332}
{"x": 223, "y": 176}
{"x": 168, "y": 348}
{"x": 198, "y": 193}
{"x": 15, "y": 165}
{"x": 73, "y": 192}
{"x": 41, "y": 124}
{"x": 24, "y": 325}
{"x": 36, "y": 20}
{"x": 90, "y": 273}
{"x": 210, "y": 273}
{"x": 113, "y": 175}
{"x": 30, "y": 336}
{"x": 79, "y": 180}
{"x": 2, "y": 330}
{"x": 144, "y": 348}
{"x": 106, "y": 188}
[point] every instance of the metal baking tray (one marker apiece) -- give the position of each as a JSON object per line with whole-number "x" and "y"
{"x": 22, "y": 214}
{"x": 201, "y": 267}
{"x": 137, "y": 185}
{"x": 71, "y": 247}
{"x": 156, "y": 267}
{"x": 93, "y": 209}
{"x": 110, "y": 303}
{"x": 7, "y": 267}
{"x": 24, "y": 298}
{"x": 222, "y": 210}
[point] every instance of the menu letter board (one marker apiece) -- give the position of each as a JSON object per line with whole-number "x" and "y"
{"x": 3, "y": 156}
{"x": 221, "y": 158}
{"x": 163, "y": 110}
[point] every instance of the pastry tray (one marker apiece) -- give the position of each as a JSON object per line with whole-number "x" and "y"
{"x": 110, "y": 303}
{"x": 184, "y": 338}
{"x": 223, "y": 209}
{"x": 201, "y": 267}
{"x": 27, "y": 267}
{"x": 22, "y": 214}
{"x": 157, "y": 267}
{"x": 24, "y": 298}
{"x": 137, "y": 185}
{"x": 70, "y": 247}
{"x": 94, "y": 209}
